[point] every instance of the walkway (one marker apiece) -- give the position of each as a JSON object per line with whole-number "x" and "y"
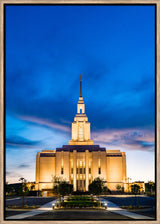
{"x": 116, "y": 209}
{"x": 10, "y": 199}
{"x": 44, "y": 208}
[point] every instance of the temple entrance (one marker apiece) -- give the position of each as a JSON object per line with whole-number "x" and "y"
{"x": 81, "y": 185}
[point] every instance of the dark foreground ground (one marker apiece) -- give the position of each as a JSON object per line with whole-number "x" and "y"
{"x": 142, "y": 200}
{"x": 81, "y": 214}
{"x": 128, "y": 200}
{"x": 147, "y": 212}
{"x": 30, "y": 201}
{"x": 14, "y": 212}
{"x": 78, "y": 215}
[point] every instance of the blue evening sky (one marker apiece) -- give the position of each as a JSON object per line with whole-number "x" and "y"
{"x": 47, "y": 48}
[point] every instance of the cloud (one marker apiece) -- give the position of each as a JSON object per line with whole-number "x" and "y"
{"x": 45, "y": 122}
{"x": 126, "y": 139}
{"x": 118, "y": 103}
{"x": 23, "y": 166}
{"x": 44, "y": 84}
{"x": 17, "y": 141}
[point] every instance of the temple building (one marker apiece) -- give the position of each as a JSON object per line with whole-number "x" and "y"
{"x": 80, "y": 162}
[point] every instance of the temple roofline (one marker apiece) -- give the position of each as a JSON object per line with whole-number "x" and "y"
{"x": 81, "y": 148}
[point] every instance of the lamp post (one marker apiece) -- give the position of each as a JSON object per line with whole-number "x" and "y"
{"x": 123, "y": 184}
{"x": 23, "y": 190}
{"x": 128, "y": 182}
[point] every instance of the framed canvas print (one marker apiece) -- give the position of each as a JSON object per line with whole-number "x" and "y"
{"x": 79, "y": 111}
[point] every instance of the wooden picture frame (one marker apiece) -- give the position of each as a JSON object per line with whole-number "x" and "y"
{"x": 2, "y": 102}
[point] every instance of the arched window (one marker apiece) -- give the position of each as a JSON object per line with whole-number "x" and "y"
{"x": 80, "y": 110}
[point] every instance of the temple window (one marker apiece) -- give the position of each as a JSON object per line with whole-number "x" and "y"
{"x": 62, "y": 171}
{"x": 81, "y": 133}
{"x": 99, "y": 166}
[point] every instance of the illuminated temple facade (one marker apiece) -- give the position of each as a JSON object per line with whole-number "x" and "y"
{"x": 80, "y": 162}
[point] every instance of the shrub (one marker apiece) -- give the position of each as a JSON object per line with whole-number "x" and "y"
{"x": 33, "y": 207}
{"x": 79, "y": 204}
{"x": 26, "y": 206}
{"x": 79, "y": 201}
{"x": 13, "y": 206}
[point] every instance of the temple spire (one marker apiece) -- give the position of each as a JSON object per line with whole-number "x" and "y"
{"x": 81, "y": 85}
{"x": 81, "y": 126}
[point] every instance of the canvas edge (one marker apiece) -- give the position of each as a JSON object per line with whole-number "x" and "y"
{"x": 2, "y": 102}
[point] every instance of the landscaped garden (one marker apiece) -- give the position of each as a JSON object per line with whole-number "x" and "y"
{"x": 79, "y": 202}
{"x": 63, "y": 189}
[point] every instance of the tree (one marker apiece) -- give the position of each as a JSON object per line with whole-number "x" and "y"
{"x": 118, "y": 187}
{"x": 56, "y": 182}
{"x": 32, "y": 186}
{"x": 23, "y": 190}
{"x": 105, "y": 189}
{"x": 96, "y": 187}
{"x": 65, "y": 188}
{"x": 135, "y": 189}
{"x": 8, "y": 189}
{"x": 150, "y": 187}
{"x": 61, "y": 188}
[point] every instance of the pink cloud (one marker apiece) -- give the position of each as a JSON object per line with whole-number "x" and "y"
{"x": 45, "y": 122}
{"x": 139, "y": 139}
